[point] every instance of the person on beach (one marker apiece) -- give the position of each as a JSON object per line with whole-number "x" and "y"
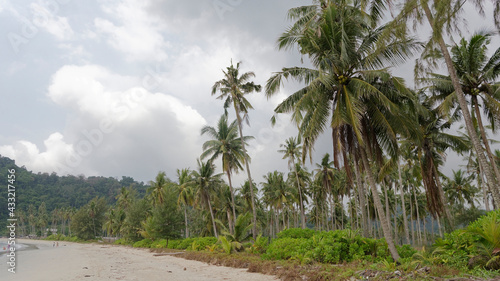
{"x": 54, "y": 244}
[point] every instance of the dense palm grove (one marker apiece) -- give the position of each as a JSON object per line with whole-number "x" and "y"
{"x": 382, "y": 178}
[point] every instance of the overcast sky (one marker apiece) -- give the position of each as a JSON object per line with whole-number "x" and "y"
{"x": 122, "y": 88}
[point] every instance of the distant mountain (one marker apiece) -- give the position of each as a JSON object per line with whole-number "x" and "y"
{"x": 57, "y": 191}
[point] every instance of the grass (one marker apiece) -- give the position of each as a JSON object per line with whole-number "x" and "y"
{"x": 291, "y": 270}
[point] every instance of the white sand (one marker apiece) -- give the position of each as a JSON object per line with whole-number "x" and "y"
{"x": 73, "y": 261}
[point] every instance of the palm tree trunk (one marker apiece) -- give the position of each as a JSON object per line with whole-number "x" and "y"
{"x": 443, "y": 199}
{"x": 250, "y": 182}
{"x": 419, "y": 234}
{"x": 411, "y": 222}
{"x": 302, "y": 214}
{"x": 232, "y": 201}
{"x": 387, "y": 212}
{"x": 492, "y": 183}
{"x": 186, "y": 221}
{"x": 484, "y": 137}
{"x": 213, "y": 218}
{"x": 378, "y": 205}
{"x": 439, "y": 227}
{"x": 405, "y": 219}
{"x": 395, "y": 209}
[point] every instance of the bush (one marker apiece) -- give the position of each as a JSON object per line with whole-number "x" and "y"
{"x": 144, "y": 243}
{"x": 296, "y": 233}
{"x": 406, "y": 251}
{"x": 286, "y": 248}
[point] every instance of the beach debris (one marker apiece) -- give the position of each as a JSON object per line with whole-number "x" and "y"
{"x": 87, "y": 276}
{"x": 85, "y": 267}
{"x": 169, "y": 271}
{"x": 184, "y": 269}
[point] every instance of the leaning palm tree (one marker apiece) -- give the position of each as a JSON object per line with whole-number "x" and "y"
{"x": 226, "y": 143}
{"x": 206, "y": 181}
{"x": 233, "y": 89}
{"x": 477, "y": 74}
{"x": 292, "y": 150}
{"x": 350, "y": 90}
{"x": 186, "y": 196}
{"x": 443, "y": 17}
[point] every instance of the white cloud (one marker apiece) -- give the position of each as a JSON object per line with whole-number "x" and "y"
{"x": 137, "y": 34}
{"x": 50, "y": 22}
{"x": 114, "y": 129}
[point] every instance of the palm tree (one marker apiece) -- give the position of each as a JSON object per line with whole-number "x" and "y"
{"x": 430, "y": 146}
{"x": 459, "y": 189}
{"x": 206, "y": 180}
{"x": 326, "y": 173}
{"x": 292, "y": 151}
{"x": 276, "y": 193}
{"x": 350, "y": 83}
{"x": 301, "y": 178}
{"x": 477, "y": 73}
{"x": 233, "y": 89}
{"x": 157, "y": 188}
{"x": 226, "y": 143}
{"x": 186, "y": 196}
{"x": 443, "y": 17}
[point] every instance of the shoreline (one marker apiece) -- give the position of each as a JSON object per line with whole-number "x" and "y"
{"x": 100, "y": 261}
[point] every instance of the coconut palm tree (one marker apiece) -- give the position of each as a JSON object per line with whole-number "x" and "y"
{"x": 292, "y": 150}
{"x": 349, "y": 90}
{"x": 430, "y": 146}
{"x": 157, "y": 188}
{"x": 206, "y": 180}
{"x": 443, "y": 17}
{"x": 459, "y": 189}
{"x": 326, "y": 173}
{"x": 186, "y": 194}
{"x": 277, "y": 193}
{"x": 477, "y": 74}
{"x": 225, "y": 143}
{"x": 233, "y": 89}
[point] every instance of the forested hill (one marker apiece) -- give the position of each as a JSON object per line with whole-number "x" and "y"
{"x": 57, "y": 191}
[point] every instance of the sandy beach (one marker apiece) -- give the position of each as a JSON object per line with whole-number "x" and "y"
{"x": 73, "y": 261}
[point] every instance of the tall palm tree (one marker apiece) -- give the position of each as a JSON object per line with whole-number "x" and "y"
{"x": 430, "y": 146}
{"x": 443, "y": 17}
{"x": 158, "y": 187}
{"x": 292, "y": 151}
{"x": 206, "y": 181}
{"x": 350, "y": 83}
{"x": 226, "y": 143}
{"x": 186, "y": 196}
{"x": 233, "y": 88}
{"x": 477, "y": 74}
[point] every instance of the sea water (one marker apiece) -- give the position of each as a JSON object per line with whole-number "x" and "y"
{"x": 4, "y": 247}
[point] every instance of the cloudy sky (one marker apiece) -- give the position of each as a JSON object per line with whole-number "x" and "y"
{"x": 117, "y": 88}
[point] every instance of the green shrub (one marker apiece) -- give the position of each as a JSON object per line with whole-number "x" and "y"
{"x": 162, "y": 243}
{"x": 286, "y": 248}
{"x": 296, "y": 233}
{"x": 405, "y": 251}
{"x": 144, "y": 243}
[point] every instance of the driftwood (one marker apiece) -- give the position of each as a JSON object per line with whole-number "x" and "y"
{"x": 167, "y": 254}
